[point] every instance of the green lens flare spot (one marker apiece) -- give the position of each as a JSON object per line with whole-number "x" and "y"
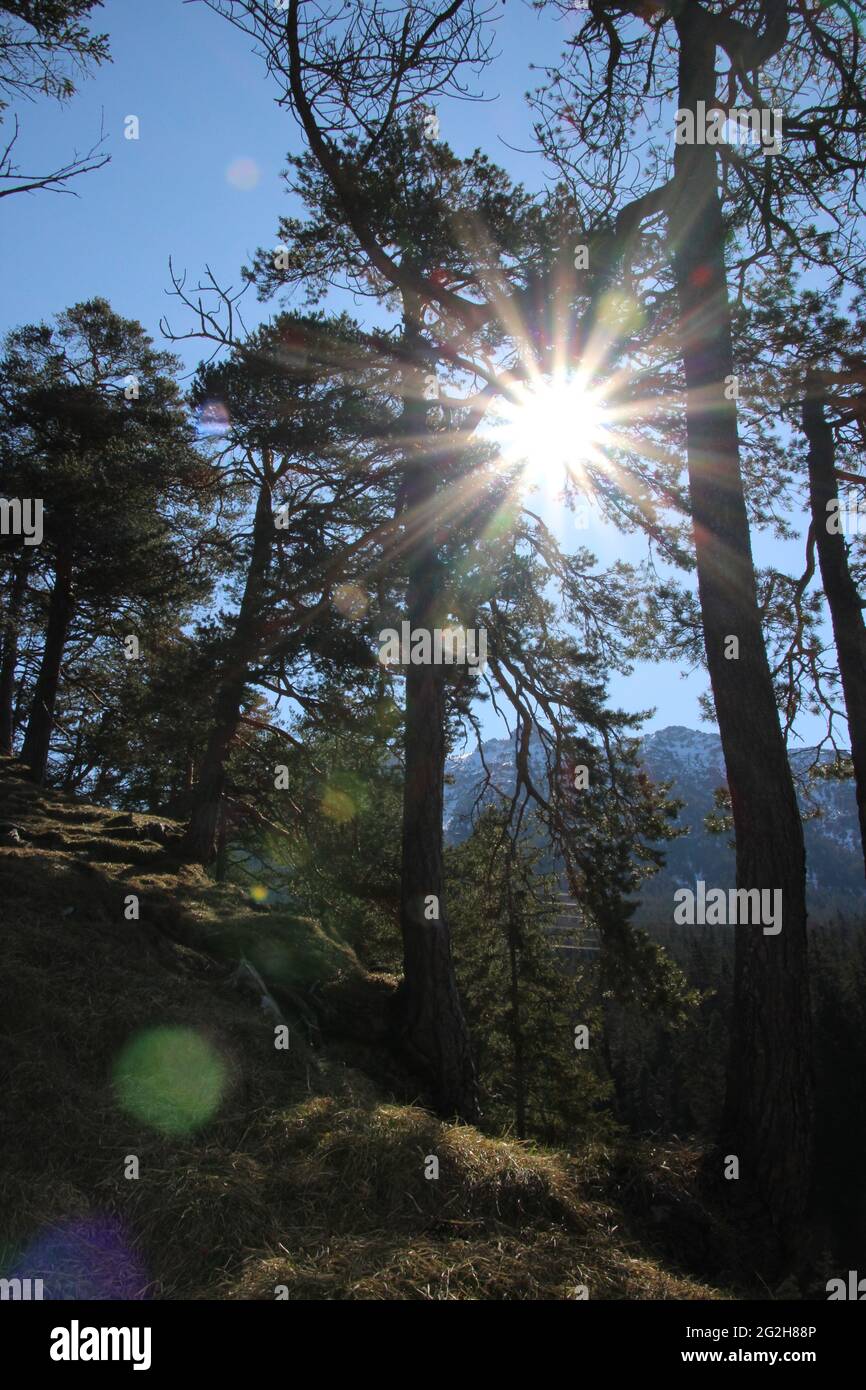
{"x": 172, "y": 1079}
{"x": 337, "y": 805}
{"x": 620, "y": 313}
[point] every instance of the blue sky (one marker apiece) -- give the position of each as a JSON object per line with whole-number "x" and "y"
{"x": 202, "y": 185}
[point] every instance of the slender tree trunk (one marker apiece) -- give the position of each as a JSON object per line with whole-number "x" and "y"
{"x": 768, "y": 1116}
{"x": 201, "y": 838}
{"x": 61, "y": 608}
{"x": 515, "y": 902}
{"x": 843, "y": 600}
{"x": 69, "y": 778}
{"x": 11, "y": 629}
{"x": 101, "y": 785}
{"x": 516, "y": 1030}
{"x": 430, "y": 1017}
{"x": 179, "y": 802}
{"x": 188, "y": 772}
{"x": 221, "y": 867}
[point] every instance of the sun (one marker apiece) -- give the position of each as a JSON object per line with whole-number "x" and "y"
{"x": 549, "y": 425}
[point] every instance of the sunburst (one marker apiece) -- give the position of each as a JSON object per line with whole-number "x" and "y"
{"x": 550, "y": 425}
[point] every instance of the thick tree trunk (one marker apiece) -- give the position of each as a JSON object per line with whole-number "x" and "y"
{"x": 430, "y": 1017}
{"x": 843, "y": 600}
{"x": 202, "y": 833}
{"x": 11, "y": 630}
{"x": 61, "y": 608}
{"x": 767, "y": 1121}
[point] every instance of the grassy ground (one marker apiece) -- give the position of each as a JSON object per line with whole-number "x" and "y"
{"x": 263, "y": 1172}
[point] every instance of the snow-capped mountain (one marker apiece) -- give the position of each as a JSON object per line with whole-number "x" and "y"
{"x": 692, "y": 760}
{"x": 465, "y": 773}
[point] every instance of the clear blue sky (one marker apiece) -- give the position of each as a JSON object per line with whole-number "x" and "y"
{"x": 204, "y": 104}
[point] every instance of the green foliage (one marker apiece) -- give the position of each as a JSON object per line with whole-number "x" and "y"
{"x": 119, "y": 474}
{"x": 330, "y": 840}
{"x": 94, "y": 425}
{"x": 522, "y": 996}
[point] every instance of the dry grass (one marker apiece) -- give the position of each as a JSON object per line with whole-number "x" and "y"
{"x": 299, "y": 1171}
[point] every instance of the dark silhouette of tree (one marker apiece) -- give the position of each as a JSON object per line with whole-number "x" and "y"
{"x": 807, "y": 369}
{"x": 302, "y": 435}
{"x": 45, "y": 48}
{"x": 17, "y": 581}
{"x": 843, "y": 597}
{"x": 104, "y": 442}
{"x": 392, "y": 213}
{"x": 726, "y": 206}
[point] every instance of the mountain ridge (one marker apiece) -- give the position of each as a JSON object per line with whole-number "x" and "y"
{"x": 692, "y": 760}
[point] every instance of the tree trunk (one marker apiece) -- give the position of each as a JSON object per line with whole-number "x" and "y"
{"x": 201, "y": 838}
{"x": 843, "y": 600}
{"x": 516, "y": 1030}
{"x": 68, "y": 781}
{"x": 179, "y": 800}
{"x": 768, "y": 1118}
{"x": 61, "y": 608}
{"x": 222, "y": 857}
{"x": 430, "y": 1017}
{"x": 11, "y": 629}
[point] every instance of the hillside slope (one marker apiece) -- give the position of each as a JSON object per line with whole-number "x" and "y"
{"x": 258, "y": 1168}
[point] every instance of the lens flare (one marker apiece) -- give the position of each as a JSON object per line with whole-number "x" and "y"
{"x": 243, "y": 174}
{"x": 338, "y": 805}
{"x": 351, "y": 601}
{"x": 171, "y": 1078}
{"x": 89, "y": 1258}
{"x": 550, "y": 425}
{"x": 212, "y": 419}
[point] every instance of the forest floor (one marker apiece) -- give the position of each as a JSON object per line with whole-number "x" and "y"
{"x": 136, "y": 1046}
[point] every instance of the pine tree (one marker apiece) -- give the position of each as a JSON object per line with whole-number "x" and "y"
{"x": 107, "y": 448}
{"x": 45, "y": 47}
{"x": 526, "y": 1000}
{"x": 474, "y": 267}
{"x": 715, "y": 227}
{"x": 301, "y": 433}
